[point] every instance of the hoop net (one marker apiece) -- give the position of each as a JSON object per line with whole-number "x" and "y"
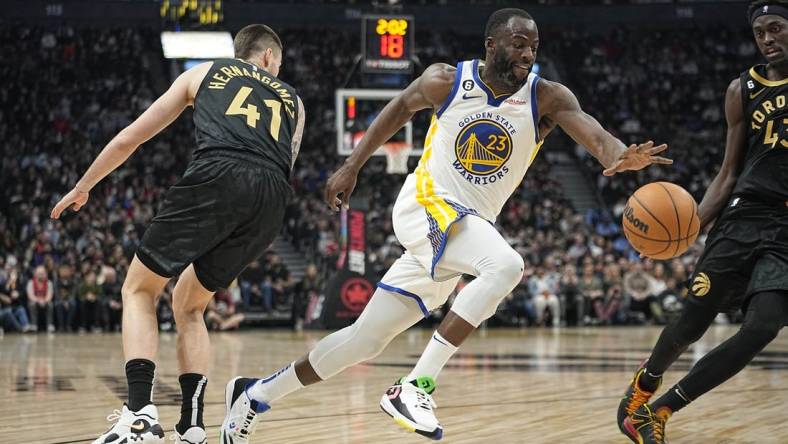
{"x": 397, "y": 154}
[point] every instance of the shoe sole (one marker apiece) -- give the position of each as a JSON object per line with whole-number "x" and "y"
{"x": 181, "y": 440}
{"x": 228, "y": 403}
{"x": 630, "y": 432}
{"x": 407, "y": 424}
{"x": 153, "y": 436}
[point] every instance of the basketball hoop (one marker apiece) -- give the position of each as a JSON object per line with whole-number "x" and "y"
{"x": 397, "y": 154}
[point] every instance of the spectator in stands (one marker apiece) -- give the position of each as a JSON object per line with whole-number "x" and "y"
{"x": 571, "y": 296}
{"x": 66, "y": 298}
{"x": 40, "y": 293}
{"x": 251, "y": 283}
{"x": 517, "y": 309}
{"x": 13, "y": 316}
{"x": 310, "y": 285}
{"x": 88, "y": 293}
{"x": 592, "y": 289}
{"x": 164, "y": 313}
{"x": 544, "y": 289}
{"x": 639, "y": 287}
{"x": 220, "y": 314}
{"x": 111, "y": 300}
{"x": 277, "y": 283}
{"x": 609, "y": 309}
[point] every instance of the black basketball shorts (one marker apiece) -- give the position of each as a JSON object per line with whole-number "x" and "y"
{"x": 746, "y": 253}
{"x": 220, "y": 216}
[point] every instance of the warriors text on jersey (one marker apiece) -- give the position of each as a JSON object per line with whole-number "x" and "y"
{"x": 765, "y": 171}
{"x": 476, "y": 153}
{"x": 240, "y": 107}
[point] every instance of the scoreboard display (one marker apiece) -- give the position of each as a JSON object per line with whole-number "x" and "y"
{"x": 387, "y": 42}
{"x": 192, "y": 13}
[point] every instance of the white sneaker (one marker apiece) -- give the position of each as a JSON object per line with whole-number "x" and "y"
{"x": 410, "y": 405}
{"x": 133, "y": 427}
{"x": 195, "y": 435}
{"x": 242, "y": 412}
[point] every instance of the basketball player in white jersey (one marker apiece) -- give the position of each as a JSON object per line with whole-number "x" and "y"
{"x": 490, "y": 120}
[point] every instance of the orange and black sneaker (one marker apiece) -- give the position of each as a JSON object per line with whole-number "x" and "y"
{"x": 634, "y": 397}
{"x": 645, "y": 426}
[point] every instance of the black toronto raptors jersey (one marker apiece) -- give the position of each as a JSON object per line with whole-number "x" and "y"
{"x": 765, "y": 172}
{"x": 240, "y": 107}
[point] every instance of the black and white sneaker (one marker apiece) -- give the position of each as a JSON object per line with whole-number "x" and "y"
{"x": 411, "y": 406}
{"x": 141, "y": 427}
{"x": 242, "y": 412}
{"x": 194, "y": 435}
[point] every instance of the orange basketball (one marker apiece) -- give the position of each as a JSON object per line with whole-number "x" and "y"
{"x": 661, "y": 220}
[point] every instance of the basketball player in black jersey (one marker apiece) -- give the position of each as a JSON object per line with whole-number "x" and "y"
{"x": 222, "y": 214}
{"x": 745, "y": 262}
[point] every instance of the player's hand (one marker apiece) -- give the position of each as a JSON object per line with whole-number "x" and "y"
{"x": 340, "y": 186}
{"x": 637, "y": 157}
{"x": 75, "y": 199}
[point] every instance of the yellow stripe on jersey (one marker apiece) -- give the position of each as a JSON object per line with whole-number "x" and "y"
{"x": 442, "y": 212}
{"x": 764, "y": 81}
{"x": 536, "y": 151}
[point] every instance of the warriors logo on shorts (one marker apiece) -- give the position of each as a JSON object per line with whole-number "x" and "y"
{"x": 701, "y": 285}
{"x": 483, "y": 147}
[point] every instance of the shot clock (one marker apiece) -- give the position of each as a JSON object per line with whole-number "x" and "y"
{"x": 387, "y": 42}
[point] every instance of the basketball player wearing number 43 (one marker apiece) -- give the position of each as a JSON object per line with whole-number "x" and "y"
{"x": 745, "y": 262}
{"x": 490, "y": 120}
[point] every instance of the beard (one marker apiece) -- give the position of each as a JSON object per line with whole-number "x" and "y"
{"x": 504, "y": 70}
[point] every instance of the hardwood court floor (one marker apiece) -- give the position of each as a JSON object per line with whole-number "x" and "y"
{"x": 510, "y": 386}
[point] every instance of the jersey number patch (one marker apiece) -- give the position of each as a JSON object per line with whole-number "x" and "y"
{"x": 236, "y": 108}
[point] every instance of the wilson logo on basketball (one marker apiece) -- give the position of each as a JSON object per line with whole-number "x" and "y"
{"x": 701, "y": 285}
{"x": 629, "y": 214}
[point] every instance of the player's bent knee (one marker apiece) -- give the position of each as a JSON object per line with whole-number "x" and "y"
{"x": 761, "y": 334}
{"x": 186, "y": 310}
{"x": 365, "y": 345}
{"x": 132, "y": 289}
{"x": 509, "y": 267}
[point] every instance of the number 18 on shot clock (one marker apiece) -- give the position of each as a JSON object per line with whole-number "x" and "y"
{"x": 387, "y": 42}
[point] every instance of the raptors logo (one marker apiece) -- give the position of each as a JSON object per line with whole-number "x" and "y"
{"x": 355, "y": 294}
{"x": 701, "y": 285}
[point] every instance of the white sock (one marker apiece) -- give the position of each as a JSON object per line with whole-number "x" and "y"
{"x": 435, "y": 356}
{"x": 276, "y": 386}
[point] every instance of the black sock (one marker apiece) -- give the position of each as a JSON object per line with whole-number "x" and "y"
{"x": 648, "y": 381}
{"x": 139, "y": 374}
{"x": 674, "y": 400}
{"x": 193, "y": 393}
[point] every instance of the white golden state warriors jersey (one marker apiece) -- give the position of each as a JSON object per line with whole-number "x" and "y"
{"x": 476, "y": 153}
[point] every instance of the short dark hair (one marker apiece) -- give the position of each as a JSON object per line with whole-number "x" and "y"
{"x": 255, "y": 38}
{"x": 758, "y": 4}
{"x": 501, "y": 17}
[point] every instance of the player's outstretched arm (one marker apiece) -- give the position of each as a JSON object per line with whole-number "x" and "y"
{"x": 157, "y": 117}
{"x": 735, "y": 147}
{"x": 428, "y": 91}
{"x": 559, "y": 104}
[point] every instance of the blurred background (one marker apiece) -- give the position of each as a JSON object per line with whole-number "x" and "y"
{"x": 75, "y": 72}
